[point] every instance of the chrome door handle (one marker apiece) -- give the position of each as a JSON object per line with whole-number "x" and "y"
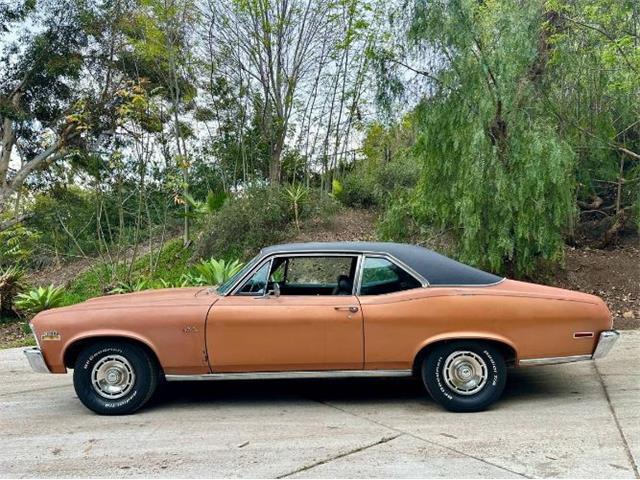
{"x": 352, "y": 309}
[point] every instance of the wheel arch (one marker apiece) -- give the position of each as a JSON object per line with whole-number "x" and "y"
{"x": 75, "y": 346}
{"x": 504, "y": 345}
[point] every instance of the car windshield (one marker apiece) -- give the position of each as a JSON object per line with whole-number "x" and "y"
{"x": 226, "y": 286}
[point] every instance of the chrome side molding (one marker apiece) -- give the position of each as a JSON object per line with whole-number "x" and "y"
{"x": 553, "y": 360}
{"x": 291, "y": 375}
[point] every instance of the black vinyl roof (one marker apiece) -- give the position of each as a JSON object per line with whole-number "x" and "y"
{"x": 435, "y": 268}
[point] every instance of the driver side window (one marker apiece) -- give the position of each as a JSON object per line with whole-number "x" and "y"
{"x": 303, "y": 275}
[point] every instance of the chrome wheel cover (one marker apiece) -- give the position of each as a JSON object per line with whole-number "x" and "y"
{"x": 112, "y": 377}
{"x": 465, "y": 372}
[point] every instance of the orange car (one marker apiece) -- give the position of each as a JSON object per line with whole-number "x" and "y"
{"x": 324, "y": 310}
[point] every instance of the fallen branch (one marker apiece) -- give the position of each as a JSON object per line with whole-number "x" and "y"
{"x": 594, "y": 205}
{"x": 618, "y": 224}
{"x": 14, "y": 221}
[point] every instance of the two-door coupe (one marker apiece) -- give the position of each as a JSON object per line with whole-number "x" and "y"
{"x": 324, "y": 309}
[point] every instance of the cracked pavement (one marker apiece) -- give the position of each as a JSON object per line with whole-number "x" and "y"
{"x": 577, "y": 420}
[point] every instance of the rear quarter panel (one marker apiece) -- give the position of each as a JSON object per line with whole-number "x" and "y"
{"x": 535, "y": 321}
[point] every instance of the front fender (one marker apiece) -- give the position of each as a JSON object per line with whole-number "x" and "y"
{"x": 103, "y": 333}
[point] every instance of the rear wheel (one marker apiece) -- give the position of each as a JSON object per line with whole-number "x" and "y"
{"x": 464, "y": 376}
{"x": 113, "y": 378}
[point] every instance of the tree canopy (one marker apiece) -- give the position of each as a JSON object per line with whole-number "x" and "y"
{"x": 510, "y": 128}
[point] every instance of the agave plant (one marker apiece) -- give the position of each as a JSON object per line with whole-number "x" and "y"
{"x": 11, "y": 283}
{"x": 185, "y": 280}
{"x": 216, "y": 272}
{"x": 39, "y": 299}
{"x": 131, "y": 286}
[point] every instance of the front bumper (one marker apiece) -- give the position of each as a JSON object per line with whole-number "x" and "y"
{"x": 605, "y": 343}
{"x": 36, "y": 360}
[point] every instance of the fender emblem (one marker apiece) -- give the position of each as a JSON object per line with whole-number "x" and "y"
{"x": 190, "y": 329}
{"x": 52, "y": 335}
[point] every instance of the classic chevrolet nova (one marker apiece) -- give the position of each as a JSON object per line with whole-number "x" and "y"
{"x": 324, "y": 310}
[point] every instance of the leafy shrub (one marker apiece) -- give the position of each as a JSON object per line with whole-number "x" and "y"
{"x": 131, "y": 286}
{"x": 39, "y": 299}
{"x": 11, "y": 284}
{"x": 397, "y": 223}
{"x": 358, "y": 190}
{"x": 370, "y": 184}
{"x": 186, "y": 280}
{"x": 215, "y": 272}
{"x": 17, "y": 245}
{"x": 246, "y": 223}
{"x": 320, "y": 204}
{"x": 212, "y": 204}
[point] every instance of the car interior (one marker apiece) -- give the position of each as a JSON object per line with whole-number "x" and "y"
{"x": 327, "y": 275}
{"x": 313, "y": 275}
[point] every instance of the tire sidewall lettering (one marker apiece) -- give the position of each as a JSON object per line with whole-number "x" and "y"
{"x": 442, "y": 388}
{"x": 494, "y": 368}
{"x": 93, "y": 356}
{"x": 121, "y": 403}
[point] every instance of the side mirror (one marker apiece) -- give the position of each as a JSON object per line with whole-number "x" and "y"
{"x": 276, "y": 290}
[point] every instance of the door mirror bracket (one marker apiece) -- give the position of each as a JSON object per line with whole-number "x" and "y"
{"x": 275, "y": 292}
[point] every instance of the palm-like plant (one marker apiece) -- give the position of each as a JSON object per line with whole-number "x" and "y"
{"x": 39, "y": 299}
{"x": 11, "y": 283}
{"x": 198, "y": 208}
{"x": 216, "y": 272}
{"x": 296, "y": 194}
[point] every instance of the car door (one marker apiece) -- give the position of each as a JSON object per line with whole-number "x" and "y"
{"x": 394, "y": 310}
{"x": 288, "y": 316}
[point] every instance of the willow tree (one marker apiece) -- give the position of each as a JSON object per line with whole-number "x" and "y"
{"x": 496, "y": 175}
{"x": 595, "y": 93}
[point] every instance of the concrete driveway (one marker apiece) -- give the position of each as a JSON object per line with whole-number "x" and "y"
{"x": 575, "y": 420}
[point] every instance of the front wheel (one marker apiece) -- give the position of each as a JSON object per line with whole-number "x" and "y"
{"x": 114, "y": 378}
{"x": 464, "y": 376}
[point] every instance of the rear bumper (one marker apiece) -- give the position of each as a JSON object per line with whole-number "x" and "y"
{"x": 36, "y": 360}
{"x": 606, "y": 341}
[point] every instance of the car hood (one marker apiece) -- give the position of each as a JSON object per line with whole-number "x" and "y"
{"x": 164, "y": 296}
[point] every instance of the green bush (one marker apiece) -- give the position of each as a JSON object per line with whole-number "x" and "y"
{"x": 320, "y": 204}
{"x": 374, "y": 184}
{"x": 186, "y": 280}
{"x": 255, "y": 218}
{"x": 39, "y": 299}
{"x": 131, "y": 286}
{"x": 17, "y": 245}
{"x": 215, "y": 272}
{"x": 358, "y": 190}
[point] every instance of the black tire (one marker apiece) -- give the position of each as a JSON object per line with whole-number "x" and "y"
{"x": 133, "y": 371}
{"x": 441, "y": 376}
